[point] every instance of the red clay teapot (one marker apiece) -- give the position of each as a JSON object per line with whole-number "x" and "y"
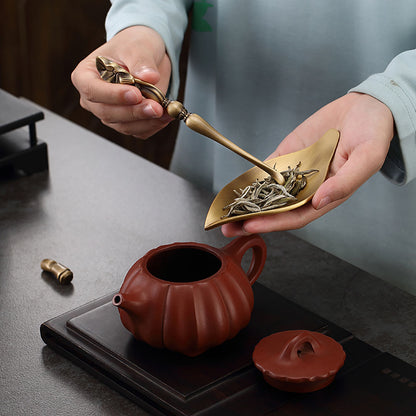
{"x": 189, "y": 297}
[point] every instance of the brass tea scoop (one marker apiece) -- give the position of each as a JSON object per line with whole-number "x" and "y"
{"x": 116, "y": 74}
{"x": 318, "y": 157}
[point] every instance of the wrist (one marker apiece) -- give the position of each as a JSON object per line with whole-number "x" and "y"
{"x": 376, "y": 109}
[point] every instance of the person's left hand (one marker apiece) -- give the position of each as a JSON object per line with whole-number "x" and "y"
{"x": 366, "y": 126}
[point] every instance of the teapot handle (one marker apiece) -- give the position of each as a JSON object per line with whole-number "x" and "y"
{"x": 239, "y": 246}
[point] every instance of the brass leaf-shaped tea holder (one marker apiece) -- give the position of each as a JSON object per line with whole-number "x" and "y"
{"x": 112, "y": 72}
{"x": 317, "y": 156}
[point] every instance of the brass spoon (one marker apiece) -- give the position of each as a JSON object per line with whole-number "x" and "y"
{"x": 317, "y": 156}
{"x": 116, "y": 74}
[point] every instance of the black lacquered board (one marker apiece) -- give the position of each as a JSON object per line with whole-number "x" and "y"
{"x": 223, "y": 381}
{"x": 16, "y": 113}
{"x": 20, "y": 150}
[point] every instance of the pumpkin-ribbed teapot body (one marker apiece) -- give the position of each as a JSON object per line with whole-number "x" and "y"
{"x": 189, "y": 297}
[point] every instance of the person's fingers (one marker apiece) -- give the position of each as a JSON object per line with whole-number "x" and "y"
{"x": 142, "y": 52}
{"x": 151, "y": 64}
{"x": 93, "y": 89}
{"x": 308, "y": 132}
{"x": 147, "y": 109}
{"x": 147, "y": 61}
{"x": 144, "y": 66}
{"x": 361, "y": 164}
{"x": 233, "y": 229}
{"x": 100, "y": 92}
{"x": 165, "y": 70}
{"x": 120, "y": 107}
{"x": 289, "y": 220}
{"x": 141, "y": 129}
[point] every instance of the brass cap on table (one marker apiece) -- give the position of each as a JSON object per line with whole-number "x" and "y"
{"x": 62, "y": 274}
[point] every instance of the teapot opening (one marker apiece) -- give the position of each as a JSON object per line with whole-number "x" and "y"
{"x": 184, "y": 264}
{"x": 117, "y": 299}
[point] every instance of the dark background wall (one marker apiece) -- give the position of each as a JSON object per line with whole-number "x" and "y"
{"x": 41, "y": 42}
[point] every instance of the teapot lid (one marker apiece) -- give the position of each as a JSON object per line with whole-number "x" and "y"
{"x": 298, "y": 360}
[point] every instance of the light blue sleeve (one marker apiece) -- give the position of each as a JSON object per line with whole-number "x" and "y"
{"x": 396, "y": 87}
{"x": 167, "y": 17}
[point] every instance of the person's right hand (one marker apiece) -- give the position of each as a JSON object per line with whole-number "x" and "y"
{"x": 122, "y": 107}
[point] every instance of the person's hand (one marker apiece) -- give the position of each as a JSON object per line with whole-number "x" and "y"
{"x": 366, "y": 126}
{"x": 122, "y": 107}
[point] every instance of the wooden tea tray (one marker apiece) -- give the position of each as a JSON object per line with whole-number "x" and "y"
{"x": 223, "y": 381}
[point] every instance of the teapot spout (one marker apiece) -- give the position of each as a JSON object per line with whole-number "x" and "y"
{"x": 131, "y": 306}
{"x": 119, "y": 301}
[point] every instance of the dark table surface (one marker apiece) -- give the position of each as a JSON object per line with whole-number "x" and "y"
{"x": 99, "y": 209}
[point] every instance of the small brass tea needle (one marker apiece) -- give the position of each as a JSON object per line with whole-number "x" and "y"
{"x": 112, "y": 72}
{"x": 62, "y": 274}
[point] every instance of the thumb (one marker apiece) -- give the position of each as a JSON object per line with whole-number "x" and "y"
{"x": 145, "y": 68}
{"x": 142, "y": 50}
{"x": 355, "y": 171}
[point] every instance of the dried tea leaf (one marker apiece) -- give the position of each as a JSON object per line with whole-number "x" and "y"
{"x": 267, "y": 194}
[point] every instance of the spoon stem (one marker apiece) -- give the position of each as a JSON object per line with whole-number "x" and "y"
{"x": 201, "y": 126}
